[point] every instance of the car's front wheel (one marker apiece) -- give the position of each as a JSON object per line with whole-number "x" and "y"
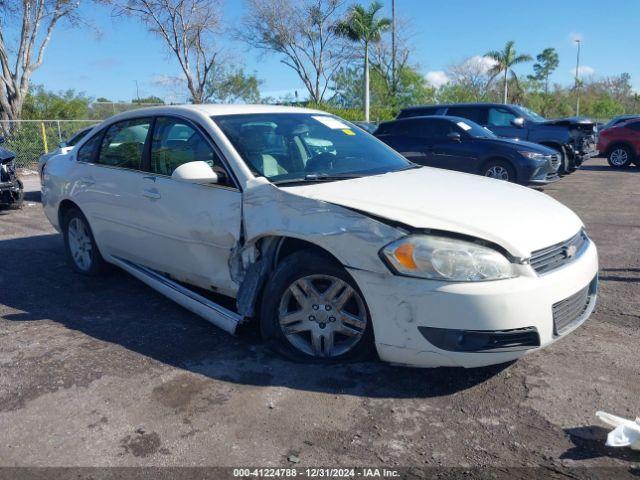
{"x": 620, "y": 157}
{"x": 312, "y": 311}
{"x": 80, "y": 246}
{"x": 499, "y": 170}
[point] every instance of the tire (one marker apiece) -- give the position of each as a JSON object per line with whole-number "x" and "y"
{"x": 18, "y": 202}
{"x": 567, "y": 165}
{"x": 499, "y": 169}
{"x": 80, "y": 246}
{"x": 294, "y": 299}
{"x": 620, "y": 156}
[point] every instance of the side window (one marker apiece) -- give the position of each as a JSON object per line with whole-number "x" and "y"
{"x": 123, "y": 144}
{"x": 634, "y": 126}
{"x": 176, "y": 142}
{"x": 500, "y": 117}
{"x": 475, "y": 114}
{"x": 88, "y": 151}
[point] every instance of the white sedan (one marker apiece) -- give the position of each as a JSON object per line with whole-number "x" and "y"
{"x": 338, "y": 252}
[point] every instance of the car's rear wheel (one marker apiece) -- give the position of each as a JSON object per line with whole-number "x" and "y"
{"x": 620, "y": 157}
{"x": 80, "y": 246}
{"x": 499, "y": 170}
{"x": 312, "y": 311}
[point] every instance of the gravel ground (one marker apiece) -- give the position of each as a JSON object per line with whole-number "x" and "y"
{"x": 105, "y": 372}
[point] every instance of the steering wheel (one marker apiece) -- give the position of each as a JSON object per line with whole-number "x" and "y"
{"x": 321, "y": 162}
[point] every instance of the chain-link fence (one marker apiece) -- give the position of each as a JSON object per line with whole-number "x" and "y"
{"x": 31, "y": 138}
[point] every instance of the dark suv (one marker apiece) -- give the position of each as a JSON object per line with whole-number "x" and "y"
{"x": 574, "y": 138}
{"x": 459, "y": 144}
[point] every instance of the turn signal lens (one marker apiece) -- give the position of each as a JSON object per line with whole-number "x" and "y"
{"x": 404, "y": 255}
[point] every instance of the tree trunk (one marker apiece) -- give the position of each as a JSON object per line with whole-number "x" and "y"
{"x": 366, "y": 82}
{"x": 506, "y": 86}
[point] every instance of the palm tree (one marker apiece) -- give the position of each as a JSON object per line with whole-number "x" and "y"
{"x": 505, "y": 60}
{"x": 362, "y": 26}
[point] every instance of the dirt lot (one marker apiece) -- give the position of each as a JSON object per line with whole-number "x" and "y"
{"x": 105, "y": 372}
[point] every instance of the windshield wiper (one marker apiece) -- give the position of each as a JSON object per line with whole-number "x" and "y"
{"x": 318, "y": 177}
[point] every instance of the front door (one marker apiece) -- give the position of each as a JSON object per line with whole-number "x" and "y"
{"x": 191, "y": 229}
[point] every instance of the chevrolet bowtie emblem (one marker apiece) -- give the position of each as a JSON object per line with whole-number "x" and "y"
{"x": 570, "y": 251}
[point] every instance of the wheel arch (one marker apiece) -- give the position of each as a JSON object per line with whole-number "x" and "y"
{"x": 498, "y": 158}
{"x": 64, "y": 207}
{"x": 621, "y": 143}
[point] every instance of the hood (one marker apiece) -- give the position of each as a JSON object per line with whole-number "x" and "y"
{"x": 519, "y": 219}
{"x": 520, "y": 144}
{"x": 570, "y": 121}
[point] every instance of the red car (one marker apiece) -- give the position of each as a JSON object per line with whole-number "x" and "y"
{"x": 621, "y": 144}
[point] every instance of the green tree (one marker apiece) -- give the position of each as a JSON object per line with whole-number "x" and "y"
{"x": 505, "y": 60}
{"x": 151, "y": 99}
{"x": 363, "y": 26}
{"x": 233, "y": 87}
{"x": 40, "y": 104}
{"x": 546, "y": 63}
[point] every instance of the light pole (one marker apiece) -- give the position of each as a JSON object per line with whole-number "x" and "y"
{"x": 577, "y": 86}
{"x": 393, "y": 46}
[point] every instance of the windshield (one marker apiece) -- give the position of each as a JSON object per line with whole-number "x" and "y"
{"x": 529, "y": 114}
{"x": 301, "y": 146}
{"x": 475, "y": 130}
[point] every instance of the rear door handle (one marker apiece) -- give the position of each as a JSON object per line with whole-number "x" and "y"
{"x": 152, "y": 194}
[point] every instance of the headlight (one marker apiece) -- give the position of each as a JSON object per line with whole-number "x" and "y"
{"x": 533, "y": 155}
{"x": 446, "y": 259}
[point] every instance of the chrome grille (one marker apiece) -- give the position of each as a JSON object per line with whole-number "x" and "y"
{"x": 556, "y": 256}
{"x": 570, "y": 311}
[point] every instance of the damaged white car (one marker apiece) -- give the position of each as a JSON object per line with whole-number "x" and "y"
{"x": 335, "y": 244}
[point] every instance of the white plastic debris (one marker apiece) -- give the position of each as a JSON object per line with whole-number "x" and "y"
{"x": 626, "y": 433}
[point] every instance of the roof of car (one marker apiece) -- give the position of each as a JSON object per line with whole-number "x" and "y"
{"x": 448, "y": 105}
{"x": 218, "y": 109}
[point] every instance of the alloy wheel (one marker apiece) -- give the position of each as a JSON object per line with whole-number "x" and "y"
{"x": 619, "y": 157}
{"x": 322, "y": 316}
{"x": 80, "y": 243}
{"x": 498, "y": 172}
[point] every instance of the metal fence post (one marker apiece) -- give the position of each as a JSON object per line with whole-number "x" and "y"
{"x": 44, "y": 138}
{"x": 59, "y": 132}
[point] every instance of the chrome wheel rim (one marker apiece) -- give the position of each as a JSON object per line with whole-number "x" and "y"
{"x": 619, "y": 157}
{"x": 80, "y": 244}
{"x": 322, "y": 316}
{"x": 498, "y": 172}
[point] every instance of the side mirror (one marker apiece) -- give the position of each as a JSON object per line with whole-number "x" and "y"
{"x": 62, "y": 144}
{"x": 454, "y": 137}
{"x": 195, "y": 172}
{"x": 518, "y": 122}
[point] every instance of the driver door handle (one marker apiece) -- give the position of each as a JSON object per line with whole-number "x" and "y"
{"x": 151, "y": 193}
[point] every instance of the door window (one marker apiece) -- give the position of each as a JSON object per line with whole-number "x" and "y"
{"x": 476, "y": 114}
{"x": 89, "y": 150}
{"x": 500, "y": 117}
{"x": 123, "y": 144}
{"x": 176, "y": 142}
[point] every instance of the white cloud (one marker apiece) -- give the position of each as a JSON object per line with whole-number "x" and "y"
{"x": 437, "y": 78}
{"x": 583, "y": 71}
{"x": 482, "y": 63}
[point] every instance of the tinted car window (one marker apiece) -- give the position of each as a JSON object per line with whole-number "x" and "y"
{"x": 634, "y": 126}
{"x": 476, "y": 114}
{"x": 500, "y": 117}
{"x": 175, "y": 142}
{"x": 77, "y": 137}
{"x": 123, "y": 144}
{"x": 88, "y": 151}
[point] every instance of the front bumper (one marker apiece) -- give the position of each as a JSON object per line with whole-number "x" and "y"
{"x": 545, "y": 173}
{"x": 400, "y": 306}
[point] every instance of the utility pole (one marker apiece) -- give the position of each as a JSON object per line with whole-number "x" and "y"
{"x": 137, "y": 91}
{"x": 577, "y": 85}
{"x": 393, "y": 47}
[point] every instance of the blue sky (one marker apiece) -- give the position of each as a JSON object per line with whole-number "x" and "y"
{"x": 444, "y": 32}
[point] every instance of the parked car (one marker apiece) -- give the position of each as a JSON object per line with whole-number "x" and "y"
{"x": 63, "y": 148}
{"x": 334, "y": 254}
{"x": 459, "y": 144}
{"x": 574, "y": 138}
{"x": 11, "y": 188}
{"x": 621, "y": 144}
{"x": 618, "y": 120}
{"x": 367, "y": 126}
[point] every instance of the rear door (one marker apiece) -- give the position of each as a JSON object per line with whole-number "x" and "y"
{"x": 190, "y": 229}
{"x": 107, "y": 186}
{"x": 408, "y": 138}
